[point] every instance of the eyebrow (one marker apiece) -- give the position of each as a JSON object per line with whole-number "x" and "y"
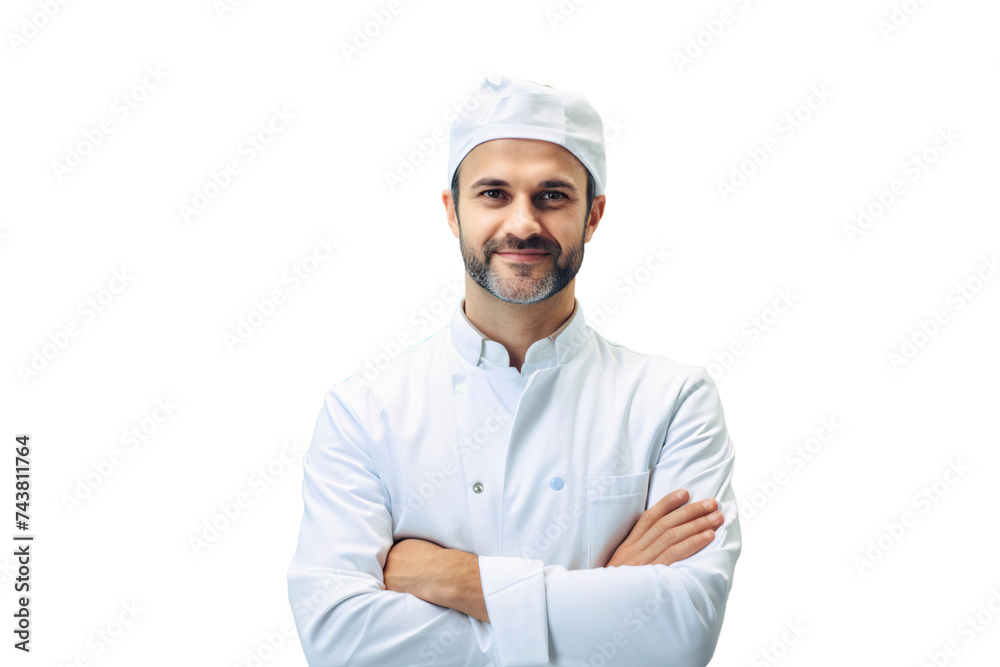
{"x": 499, "y": 182}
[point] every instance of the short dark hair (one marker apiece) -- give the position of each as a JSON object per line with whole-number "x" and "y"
{"x": 590, "y": 189}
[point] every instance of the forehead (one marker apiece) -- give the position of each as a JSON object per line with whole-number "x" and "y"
{"x": 527, "y": 158}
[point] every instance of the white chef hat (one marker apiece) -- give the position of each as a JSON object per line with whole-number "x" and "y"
{"x": 519, "y": 109}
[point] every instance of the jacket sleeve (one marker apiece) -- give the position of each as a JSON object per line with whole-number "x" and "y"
{"x": 631, "y": 615}
{"x": 343, "y": 613}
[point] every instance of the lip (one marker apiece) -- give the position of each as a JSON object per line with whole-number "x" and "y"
{"x": 523, "y": 256}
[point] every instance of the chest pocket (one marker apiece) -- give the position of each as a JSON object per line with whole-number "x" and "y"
{"x": 614, "y": 504}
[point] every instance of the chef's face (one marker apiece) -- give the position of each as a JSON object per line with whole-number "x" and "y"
{"x": 524, "y": 217}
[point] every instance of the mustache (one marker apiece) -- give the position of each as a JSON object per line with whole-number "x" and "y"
{"x": 515, "y": 247}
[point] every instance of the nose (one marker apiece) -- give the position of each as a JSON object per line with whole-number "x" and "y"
{"x": 523, "y": 220}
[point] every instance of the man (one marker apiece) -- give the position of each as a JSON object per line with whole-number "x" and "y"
{"x": 514, "y": 489}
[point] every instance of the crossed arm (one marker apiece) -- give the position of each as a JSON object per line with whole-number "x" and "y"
{"x": 348, "y": 576}
{"x": 667, "y": 532}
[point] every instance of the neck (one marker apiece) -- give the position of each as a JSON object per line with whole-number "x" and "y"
{"x": 517, "y": 325}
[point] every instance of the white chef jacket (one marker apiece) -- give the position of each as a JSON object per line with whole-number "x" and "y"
{"x": 542, "y": 473}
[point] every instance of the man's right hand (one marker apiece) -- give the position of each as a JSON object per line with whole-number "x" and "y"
{"x": 669, "y": 531}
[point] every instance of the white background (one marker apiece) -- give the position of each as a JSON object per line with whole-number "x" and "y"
{"x": 892, "y": 80}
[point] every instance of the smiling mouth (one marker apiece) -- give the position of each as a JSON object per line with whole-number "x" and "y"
{"x": 523, "y": 256}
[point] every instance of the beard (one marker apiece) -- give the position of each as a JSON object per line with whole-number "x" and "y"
{"x": 521, "y": 282}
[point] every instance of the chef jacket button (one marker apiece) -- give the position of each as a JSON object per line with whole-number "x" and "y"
{"x": 460, "y": 387}
{"x": 556, "y": 483}
{"x": 477, "y": 487}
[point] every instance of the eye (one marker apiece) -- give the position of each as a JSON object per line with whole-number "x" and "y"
{"x": 486, "y": 192}
{"x": 554, "y": 192}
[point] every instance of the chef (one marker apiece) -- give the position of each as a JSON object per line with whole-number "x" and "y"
{"x": 516, "y": 489}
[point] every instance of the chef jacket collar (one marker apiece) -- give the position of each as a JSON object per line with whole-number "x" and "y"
{"x": 557, "y": 348}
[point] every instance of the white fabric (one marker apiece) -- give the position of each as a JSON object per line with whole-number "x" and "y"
{"x": 400, "y": 456}
{"x": 518, "y": 109}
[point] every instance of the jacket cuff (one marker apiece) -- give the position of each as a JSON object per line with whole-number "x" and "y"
{"x": 514, "y": 591}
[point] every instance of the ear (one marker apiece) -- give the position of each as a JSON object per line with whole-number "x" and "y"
{"x": 449, "y": 207}
{"x": 596, "y": 213}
